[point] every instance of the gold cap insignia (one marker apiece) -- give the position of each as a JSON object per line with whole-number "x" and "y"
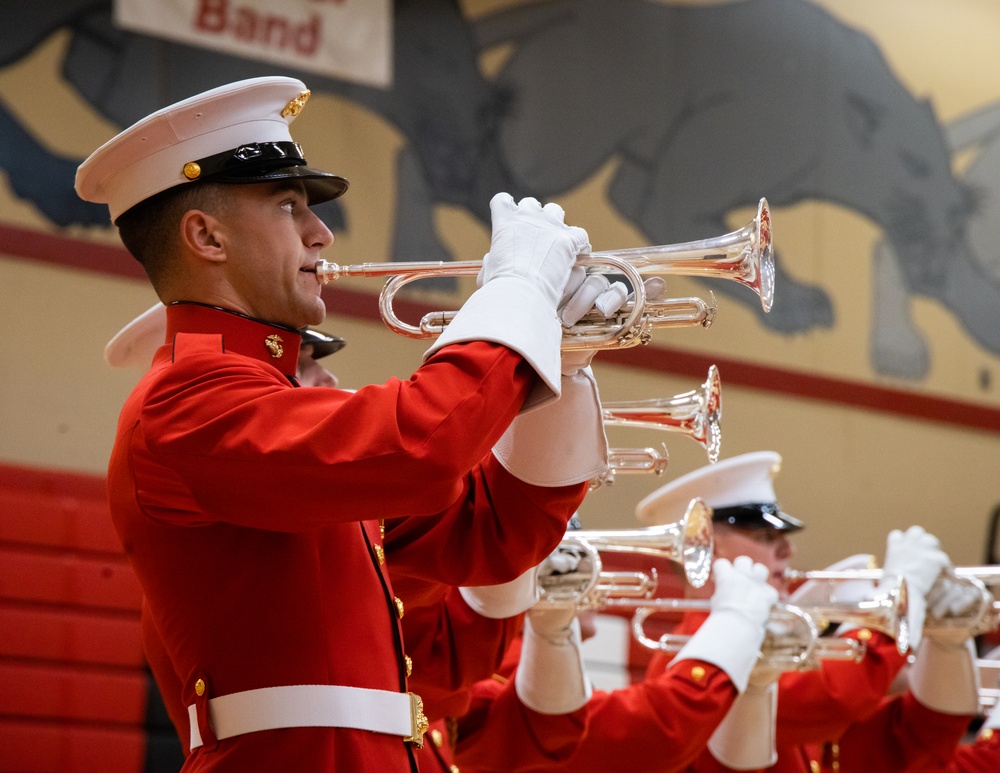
{"x": 294, "y": 107}
{"x": 192, "y": 170}
{"x": 273, "y": 343}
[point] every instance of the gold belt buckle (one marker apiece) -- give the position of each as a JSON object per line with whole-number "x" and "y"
{"x": 418, "y": 722}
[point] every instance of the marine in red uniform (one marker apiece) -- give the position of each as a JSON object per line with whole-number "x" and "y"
{"x": 794, "y": 722}
{"x": 529, "y": 718}
{"x": 249, "y": 508}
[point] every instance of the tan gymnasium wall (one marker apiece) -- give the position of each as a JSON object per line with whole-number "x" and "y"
{"x": 850, "y": 472}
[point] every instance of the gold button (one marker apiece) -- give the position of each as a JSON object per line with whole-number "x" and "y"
{"x": 409, "y": 664}
{"x": 697, "y": 673}
{"x": 192, "y": 170}
{"x": 199, "y": 687}
{"x": 399, "y": 606}
{"x": 453, "y": 769}
{"x": 437, "y": 738}
{"x": 813, "y": 766}
{"x": 380, "y": 554}
{"x": 864, "y": 634}
{"x": 986, "y": 734}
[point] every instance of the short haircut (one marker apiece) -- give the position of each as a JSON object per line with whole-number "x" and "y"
{"x": 149, "y": 230}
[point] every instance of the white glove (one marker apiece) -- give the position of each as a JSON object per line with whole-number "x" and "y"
{"x": 917, "y": 556}
{"x": 504, "y": 600}
{"x": 992, "y": 719}
{"x": 551, "y": 678}
{"x": 952, "y": 598}
{"x": 561, "y": 443}
{"x": 944, "y": 676}
{"x": 527, "y": 269}
{"x": 731, "y": 636}
{"x": 532, "y": 244}
{"x": 745, "y": 739}
{"x": 588, "y": 291}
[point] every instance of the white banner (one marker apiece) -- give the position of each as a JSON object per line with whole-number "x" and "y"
{"x": 350, "y": 39}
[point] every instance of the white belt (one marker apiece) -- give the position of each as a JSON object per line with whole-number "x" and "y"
{"x": 313, "y": 705}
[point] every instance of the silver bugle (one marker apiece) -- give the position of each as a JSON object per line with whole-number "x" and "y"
{"x": 745, "y": 256}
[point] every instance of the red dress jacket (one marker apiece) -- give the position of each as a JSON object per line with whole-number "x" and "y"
{"x": 902, "y": 735}
{"x": 250, "y": 512}
{"x": 981, "y": 756}
{"x": 817, "y": 707}
{"x": 658, "y": 725}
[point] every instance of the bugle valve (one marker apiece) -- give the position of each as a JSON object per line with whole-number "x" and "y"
{"x": 688, "y": 542}
{"x": 745, "y": 256}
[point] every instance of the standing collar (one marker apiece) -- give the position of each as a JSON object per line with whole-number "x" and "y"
{"x": 277, "y": 345}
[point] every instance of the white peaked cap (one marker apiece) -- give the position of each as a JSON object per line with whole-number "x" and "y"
{"x": 740, "y": 490}
{"x": 164, "y": 149}
{"x": 134, "y": 344}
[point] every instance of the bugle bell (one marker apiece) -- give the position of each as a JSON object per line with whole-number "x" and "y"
{"x": 697, "y": 414}
{"x": 688, "y": 542}
{"x": 744, "y": 256}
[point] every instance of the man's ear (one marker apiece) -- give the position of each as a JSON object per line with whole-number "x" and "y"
{"x": 201, "y": 235}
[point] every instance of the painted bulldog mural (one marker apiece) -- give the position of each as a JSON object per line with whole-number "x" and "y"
{"x": 701, "y": 108}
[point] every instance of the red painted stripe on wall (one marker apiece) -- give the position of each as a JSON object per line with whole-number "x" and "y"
{"x": 78, "y": 253}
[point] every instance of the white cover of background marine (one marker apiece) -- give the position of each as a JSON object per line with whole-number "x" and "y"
{"x": 349, "y": 39}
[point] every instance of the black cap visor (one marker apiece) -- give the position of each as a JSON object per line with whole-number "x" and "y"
{"x": 323, "y": 345}
{"x": 757, "y": 515}
{"x": 261, "y": 162}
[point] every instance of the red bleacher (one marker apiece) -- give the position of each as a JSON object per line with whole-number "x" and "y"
{"x": 75, "y": 692}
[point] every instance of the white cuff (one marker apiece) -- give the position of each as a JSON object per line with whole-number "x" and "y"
{"x": 728, "y": 640}
{"x": 504, "y": 600}
{"x": 512, "y": 312}
{"x": 551, "y": 678}
{"x": 993, "y": 719}
{"x": 561, "y": 444}
{"x": 745, "y": 739}
{"x": 944, "y": 676}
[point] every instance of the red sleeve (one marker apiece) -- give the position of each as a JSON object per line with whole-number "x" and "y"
{"x": 902, "y": 735}
{"x": 400, "y": 448}
{"x": 982, "y": 756}
{"x": 499, "y": 528}
{"x": 499, "y": 734}
{"x": 662, "y": 723}
{"x": 451, "y": 648}
{"x": 819, "y": 705}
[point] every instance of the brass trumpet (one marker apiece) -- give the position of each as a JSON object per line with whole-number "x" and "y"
{"x": 745, "y": 256}
{"x": 696, "y": 413}
{"x": 688, "y": 542}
